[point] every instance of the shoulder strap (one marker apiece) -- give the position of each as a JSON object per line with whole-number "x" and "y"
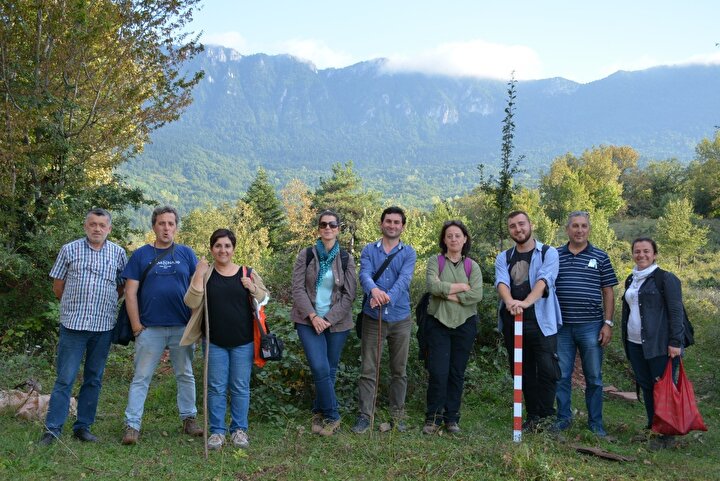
{"x": 154, "y": 261}
{"x": 467, "y": 263}
{"x": 308, "y": 256}
{"x": 509, "y": 253}
{"x": 468, "y": 267}
{"x": 384, "y": 265}
{"x": 344, "y": 258}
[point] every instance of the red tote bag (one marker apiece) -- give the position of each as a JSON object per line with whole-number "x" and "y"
{"x": 676, "y": 412}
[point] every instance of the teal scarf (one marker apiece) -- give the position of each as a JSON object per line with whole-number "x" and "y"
{"x": 326, "y": 260}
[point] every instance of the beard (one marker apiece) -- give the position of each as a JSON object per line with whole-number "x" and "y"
{"x": 521, "y": 239}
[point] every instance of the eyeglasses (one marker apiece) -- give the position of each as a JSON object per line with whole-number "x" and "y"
{"x": 332, "y": 225}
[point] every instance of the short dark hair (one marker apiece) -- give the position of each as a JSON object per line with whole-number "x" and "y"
{"x": 99, "y": 211}
{"x": 393, "y": 210}
{"x": 165, "y": 209}
{"x": 328, "y": 212}
{"x": 516, "y": 213}
{"x": 645, "y": 239}
{"x": 461, "y": 226}
{"x": 219, "y": 234}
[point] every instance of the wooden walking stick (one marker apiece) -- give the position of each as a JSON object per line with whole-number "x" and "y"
{"x": 378, "y": 357}
{"x": 517, "y": 378}
{"x": 205, "y": 378}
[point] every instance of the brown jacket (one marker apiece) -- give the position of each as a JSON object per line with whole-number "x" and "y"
{"x": 195, "y": 300}
{"x": 304, "y": 292}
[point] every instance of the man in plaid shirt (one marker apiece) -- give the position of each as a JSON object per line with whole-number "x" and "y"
{"x": 87, "y": 281}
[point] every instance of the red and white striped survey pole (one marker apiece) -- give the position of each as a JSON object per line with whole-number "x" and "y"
{"x": 517, "y": 379}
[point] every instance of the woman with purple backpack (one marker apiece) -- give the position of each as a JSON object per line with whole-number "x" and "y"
{"x": 454, "y": 282}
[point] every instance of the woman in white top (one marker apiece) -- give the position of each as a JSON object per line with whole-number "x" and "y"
{"x": 652, "y": 319}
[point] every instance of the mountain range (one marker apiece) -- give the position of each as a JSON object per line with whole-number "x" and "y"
{"x": 413, "y": 137}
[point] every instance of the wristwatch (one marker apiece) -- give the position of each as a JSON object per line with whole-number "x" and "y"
{"x": 609, "y": 322}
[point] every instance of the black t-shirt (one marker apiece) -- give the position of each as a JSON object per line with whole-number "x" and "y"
{"x": 520, "y": 287}
{"x": 231, "y": 320}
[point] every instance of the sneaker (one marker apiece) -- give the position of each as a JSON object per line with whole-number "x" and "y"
{"x": 329, "y": 427}
{"x": 190, "y": 427}
{"x": 316, "y": 423}
{"x": 398, "y": 424}
{"x": 662, "y": 441}
{"x": 131, "y": 436}
{"x": 560, "y": 425}
{"x": 240, "y": 439}
{"x": 216, "y": 441}
{"x": 430, "y": 428}
{"x": 452, "y": 427}
{"x": 361, "y": 425}
{"x": 85, "y": 435}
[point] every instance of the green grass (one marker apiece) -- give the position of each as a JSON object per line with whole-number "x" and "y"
{"x": 285, "y": 449}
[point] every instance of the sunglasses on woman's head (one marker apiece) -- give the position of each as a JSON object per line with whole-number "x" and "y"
{"x": 332, "y": 225}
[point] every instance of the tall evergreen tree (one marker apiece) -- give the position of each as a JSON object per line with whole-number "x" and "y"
{"x": 262, "y": 197}
{"x": 502, "y": 188}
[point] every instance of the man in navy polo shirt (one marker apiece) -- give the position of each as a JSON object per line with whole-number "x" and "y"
{"x": 158, "y": 317}
{"x": 587, "y": 302}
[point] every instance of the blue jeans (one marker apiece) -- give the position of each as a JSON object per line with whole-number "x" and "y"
{"x": 229, "y": 366}
{"x": 323, "y": 355}
{"x": 72, "y": 346}
{"x": 149, "y": 346}
{"x": 581, "y": 337}
{"x": 647, "y": 371}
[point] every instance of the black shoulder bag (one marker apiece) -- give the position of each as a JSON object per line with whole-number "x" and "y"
{"x": 122, "y": 332}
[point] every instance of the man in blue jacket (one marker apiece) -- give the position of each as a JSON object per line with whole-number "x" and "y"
{"x": 525, "y": 280}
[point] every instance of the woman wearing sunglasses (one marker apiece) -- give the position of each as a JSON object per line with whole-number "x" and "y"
{"x": 323, "y": 290}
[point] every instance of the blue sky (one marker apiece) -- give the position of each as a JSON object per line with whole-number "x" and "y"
{"x": 579, "y": 40}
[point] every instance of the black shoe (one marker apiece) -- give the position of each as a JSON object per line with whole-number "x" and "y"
{"x": 85, "y": 436}
{"x": 47, "y": 439}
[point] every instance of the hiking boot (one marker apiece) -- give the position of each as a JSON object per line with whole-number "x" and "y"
{"x": 329, "y": 427}
{"x": 361, "y": 425}
{"x": 47, "y": 439}
{"x": 216, "y": 441}
{"x": 452, "y": 427}
{"x": 316, "y": 423}
{"x": 131, "y": 436}
{"x": 190, "y": 427}
{"x": 240, "y": 439}
{"x": 430, "y": 428}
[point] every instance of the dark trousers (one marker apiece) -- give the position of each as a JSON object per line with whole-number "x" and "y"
{"x": 541, "y": 366}
{"x": 447, "y": 357}
{"x": 647, "y": 372}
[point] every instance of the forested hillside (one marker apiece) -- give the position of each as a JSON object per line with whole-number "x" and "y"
{"x": 412, "y": 137}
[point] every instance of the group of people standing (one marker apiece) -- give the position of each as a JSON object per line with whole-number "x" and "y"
{"x": 173, "y": 301}
{"x": 566, "y": 299}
